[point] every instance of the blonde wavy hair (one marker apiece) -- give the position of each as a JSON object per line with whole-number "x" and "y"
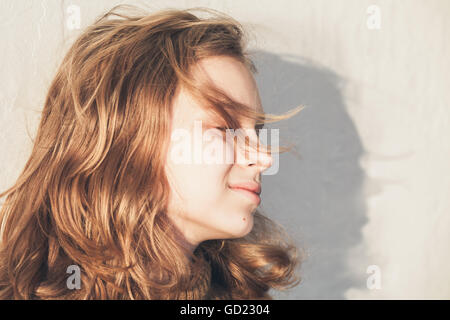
{"x": 93, "y": 192}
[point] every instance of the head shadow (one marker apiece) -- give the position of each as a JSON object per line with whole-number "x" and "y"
{"x": 317, "y": 196}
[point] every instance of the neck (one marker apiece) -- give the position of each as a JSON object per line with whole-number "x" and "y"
{"x": 187, "y": 245}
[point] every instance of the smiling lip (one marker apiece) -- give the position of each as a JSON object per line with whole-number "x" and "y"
{"x": 250, "y": 186}
{"x": 249, "y": 189}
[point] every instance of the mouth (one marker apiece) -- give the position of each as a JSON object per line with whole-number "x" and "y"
{"x": 253, "y": 196}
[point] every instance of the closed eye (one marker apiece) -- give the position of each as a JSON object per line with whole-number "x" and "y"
{"x": 259, "y": 127}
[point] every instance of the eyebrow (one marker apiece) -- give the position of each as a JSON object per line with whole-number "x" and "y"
{"x": 210, "y": 122}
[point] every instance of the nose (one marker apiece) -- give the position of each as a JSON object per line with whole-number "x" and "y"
{"x": 252, "y": 153}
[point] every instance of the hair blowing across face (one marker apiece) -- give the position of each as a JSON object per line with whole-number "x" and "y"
{"x": 93, "y": 192}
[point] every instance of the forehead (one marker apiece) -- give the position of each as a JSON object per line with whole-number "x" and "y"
{"x": 229, "y": 75}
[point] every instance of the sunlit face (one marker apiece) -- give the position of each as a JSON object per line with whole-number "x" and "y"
{"x": 202, "y": 205}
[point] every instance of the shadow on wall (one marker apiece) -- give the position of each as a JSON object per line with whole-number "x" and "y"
{"x": 317, "y": 196}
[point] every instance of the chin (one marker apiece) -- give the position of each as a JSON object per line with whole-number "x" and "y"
{"x": 242, "y": 228}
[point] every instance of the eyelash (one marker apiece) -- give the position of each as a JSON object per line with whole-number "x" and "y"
{"x": 257, "y": 128}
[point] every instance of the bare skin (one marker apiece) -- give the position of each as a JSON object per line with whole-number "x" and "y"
{"x": 202, "y": 205}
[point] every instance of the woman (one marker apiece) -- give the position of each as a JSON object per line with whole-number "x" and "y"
{"x": 104, "y": 193}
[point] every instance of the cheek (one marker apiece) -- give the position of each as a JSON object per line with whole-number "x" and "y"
{"x": 198, "y": 186}
{"x": 205, "y": 200}
{"x": 199, "y": 189}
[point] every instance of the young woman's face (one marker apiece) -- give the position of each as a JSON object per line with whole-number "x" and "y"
{"x": 202, "y": 204}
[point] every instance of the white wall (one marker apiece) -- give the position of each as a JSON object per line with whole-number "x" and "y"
{"x": 372, "y": 185}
